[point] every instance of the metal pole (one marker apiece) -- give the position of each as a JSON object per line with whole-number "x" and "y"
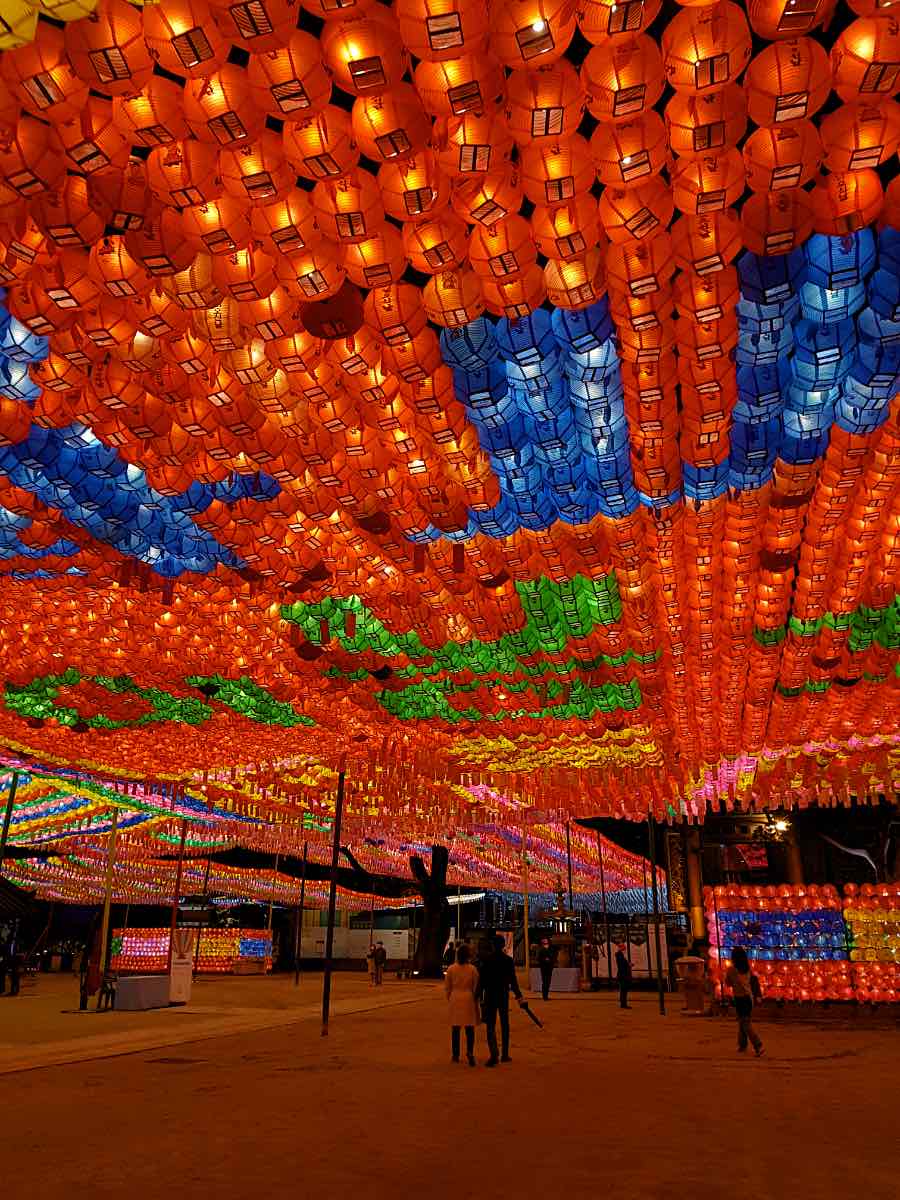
{"x": 299, "y": 926}
{"x": 569, "y": 859}
{"x": 107, "y": 892}
{"x": 200, "y": 925}
{"x": 7, "y": 816}
{"x": 603, "y": 902}
{"x": 272, "y": 895}
{"x": 525, "y": 913}
{"x": 177, "y": 895}
{"x": 651, "y": 826}
{"x": 332, "y": 902}
{"x": 372, "y": 919}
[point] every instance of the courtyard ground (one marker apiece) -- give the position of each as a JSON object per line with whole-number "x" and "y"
{"x": 239, "y": 1097}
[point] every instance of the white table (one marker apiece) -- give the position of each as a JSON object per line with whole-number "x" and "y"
{"x": 135, "y": 993}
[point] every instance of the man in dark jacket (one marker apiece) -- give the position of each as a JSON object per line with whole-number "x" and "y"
{"x": 546, "y": 962}
{"x": 623, "y": 975}
{"x": 380, "y": 960}
{"x": 496, "y": 979}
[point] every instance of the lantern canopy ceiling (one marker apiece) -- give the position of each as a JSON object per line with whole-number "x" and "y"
{"x": 499, "y": 398}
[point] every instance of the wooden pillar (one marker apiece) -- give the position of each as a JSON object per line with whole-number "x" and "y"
{"x": 695, "y": 884}
{"x": 794, "y": 859}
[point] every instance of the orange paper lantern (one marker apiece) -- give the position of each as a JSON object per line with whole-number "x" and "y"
{"x": 531, "y": 33}
{"x": 107, "y": 49}
{"x": 622, "y": 78}
{"x": 182, "y": 36}
{"x": 787, "y": 81}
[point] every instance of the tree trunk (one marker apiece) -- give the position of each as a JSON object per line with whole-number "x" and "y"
{"x": 428, "y": 961}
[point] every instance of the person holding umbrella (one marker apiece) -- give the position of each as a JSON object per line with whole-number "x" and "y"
{"x": 496, "y": 979}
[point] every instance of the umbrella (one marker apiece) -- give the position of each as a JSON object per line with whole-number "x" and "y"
{"x": 527, "y": 1011}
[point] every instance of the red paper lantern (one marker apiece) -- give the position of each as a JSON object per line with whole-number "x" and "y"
{"x": 861, "y": 136}
{"x": 31, "y": 163}
{"x": 40, "y": 77}
{"x": 184, "y": 173}
{"x": 776, "y": 222}
{"x": 348, "y": 209}
{"x": 256, "y": 25}
{"x": 865, "y": 59}
{"x": 782, "y": 156}
{"x": 846, "y": 201}
{"x": 705, "y": 49}
{"x": 473, "y": 83}
{"x": 453, "y": 298}
{"x": 391, "y": 125}
{"x": 788, "y": 81}
{"x": 471, "y": 144}
{"x": 708, "y": 184}
{"x": 377, "y": 261}
{"x": 622, "y": 78}
{"x": 217, "y": 226}
{"x": 566, "y": 230}
{"x": 154, "y": 115}
{"x": 502, "y": 251}
{"x": 773, "y": 19}
{"x": 365, "y": 54}
{"x": 627, "y": 153}
{"x": 547, "y": 102}
{"x": 182, "y": 37}
{"x": 706, "y": 244}
{"x": 531, "y": 33}
{"x": 123, "y": 197}
{"x": 414, "y": 187}
{"x": 287, "y": 225}
{"x": 107, "y": 49}
{"x": 553, "y": 172}
{"x": 635, "y": 213}
{"x": 436, "y": 30}
{"x": 290, "y": 81}
{"x": 66, "y": 216}
{"x": 92, "y": 141}
{"x": 321, "y": 146}
{"x": 436, "y": 244}
{"x": 706, "y": 124}
{"x": 488, "y": 198}
{"x": 257, "y": 173}
{"x": 621, "y": 19}
{"x": 159, "y": 244}
{"x": 576, "y": 282}
{"x": 219, "y": 108}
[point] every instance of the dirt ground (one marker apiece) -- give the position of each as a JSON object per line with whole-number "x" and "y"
{"x": 600, "y": 1101}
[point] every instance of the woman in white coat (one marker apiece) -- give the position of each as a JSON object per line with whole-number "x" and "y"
{"x": 460, "y": 984}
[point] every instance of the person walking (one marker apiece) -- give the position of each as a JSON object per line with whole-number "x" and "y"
{"x": 370, "y": 964}
{"x": 745, "y": 989}
{"x": 546, "y": 963}
{"x": 460, "y": 986}
{"x": 16, "y": 962}
{"x": 623, "y": 975}
{"x": 496, "y": 979}
{"x": 380, "y": 960}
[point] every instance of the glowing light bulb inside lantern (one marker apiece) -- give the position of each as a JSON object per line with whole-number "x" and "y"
{"x": 539, "y": 26}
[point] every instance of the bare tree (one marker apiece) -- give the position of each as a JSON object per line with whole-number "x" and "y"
{"x": 436, "y": 911}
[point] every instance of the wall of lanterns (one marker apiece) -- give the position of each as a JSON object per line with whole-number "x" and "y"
{"x": 555, "y": 343}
